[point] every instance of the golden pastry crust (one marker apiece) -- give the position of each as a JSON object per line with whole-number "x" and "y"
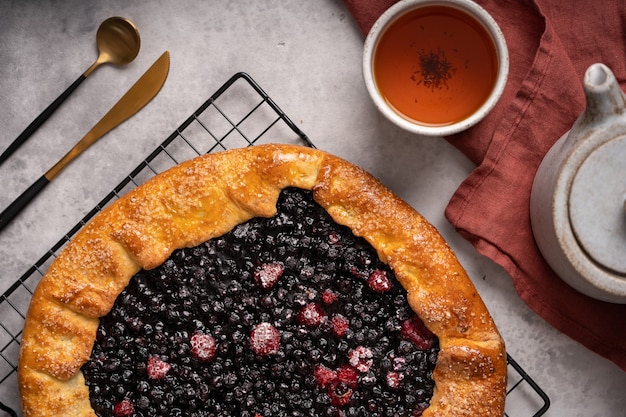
{"x": 206, "y": 197}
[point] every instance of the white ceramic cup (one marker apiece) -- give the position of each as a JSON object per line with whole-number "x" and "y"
{"x": 387, "y": 20}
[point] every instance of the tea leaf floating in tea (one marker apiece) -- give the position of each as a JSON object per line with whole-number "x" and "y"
{"x": 435, "y": 69}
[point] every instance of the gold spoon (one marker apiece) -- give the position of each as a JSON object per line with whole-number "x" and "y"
{"x": 118, "y": 43}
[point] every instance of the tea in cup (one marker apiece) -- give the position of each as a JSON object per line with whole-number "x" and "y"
{"x": 435, "y": 67}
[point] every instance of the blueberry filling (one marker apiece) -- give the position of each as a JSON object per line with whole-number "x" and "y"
{"x": 287, "y": 316}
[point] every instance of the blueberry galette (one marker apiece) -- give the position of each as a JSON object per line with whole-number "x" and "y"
{"x": 273, "y": 280}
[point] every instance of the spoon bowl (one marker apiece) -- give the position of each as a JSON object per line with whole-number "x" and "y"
{"x": 118, "y": 43}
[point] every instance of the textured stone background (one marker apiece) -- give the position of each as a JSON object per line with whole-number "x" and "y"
{"x": 307, "y": 56}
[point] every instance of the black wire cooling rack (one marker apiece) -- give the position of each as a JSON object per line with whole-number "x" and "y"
{"x": 239, "y": 114}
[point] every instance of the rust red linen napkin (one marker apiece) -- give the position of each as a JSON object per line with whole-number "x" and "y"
{"x": 551, "y": 44}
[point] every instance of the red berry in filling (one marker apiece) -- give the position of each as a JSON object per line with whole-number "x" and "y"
{"x": 339, "y": 384}
{"x": 340, "y": 325}
{"x": 361, "y": 358}
{"x": 264, "y": 339}
{"x": 311, "y": 315}
{"x": 398, "y": 363}
{"x": 333, "y": 238}
{"x": 203, "y": 346}
{"x": 416, "y": 332}
{"x": 340, "y": 396}
{"x": 378, "y": 281}
{"x": 348, "y": 375}
{"x": 269, "y": 274}
{"x": 157, "y": 368}
{"x": 324, "y": 376}
{"x": 394, "y": 379}
{"x": 123, "y": 408}
{"x": 329, "y": 296}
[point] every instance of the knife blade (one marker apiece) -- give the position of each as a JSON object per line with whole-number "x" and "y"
{"x": 144, "y": 90}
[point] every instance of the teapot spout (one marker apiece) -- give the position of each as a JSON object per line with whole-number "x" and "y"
{"x": 603, "y": 94}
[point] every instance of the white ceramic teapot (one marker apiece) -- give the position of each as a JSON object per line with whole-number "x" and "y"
{"x": 577, "y": 204}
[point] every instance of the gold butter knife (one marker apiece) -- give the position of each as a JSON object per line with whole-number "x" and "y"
{"x": 134, "y": 100}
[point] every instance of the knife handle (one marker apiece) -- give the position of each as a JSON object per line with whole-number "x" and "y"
{"x": 35, "y": 124}
{"x": 22, "y": 201}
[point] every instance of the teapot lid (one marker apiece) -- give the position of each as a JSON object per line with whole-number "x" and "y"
{"x": 597, "y": 206}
